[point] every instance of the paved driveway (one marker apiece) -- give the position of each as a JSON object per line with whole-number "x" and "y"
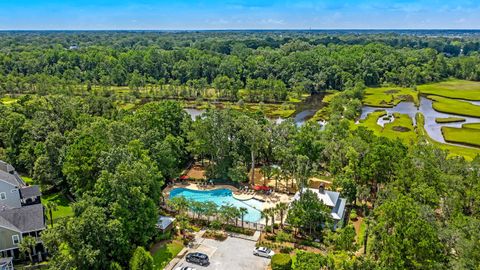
{"x": 231, "y": 254}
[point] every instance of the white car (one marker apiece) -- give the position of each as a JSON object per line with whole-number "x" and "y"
{"x": 185, "y": 268}
{"x": 263, "y": 252}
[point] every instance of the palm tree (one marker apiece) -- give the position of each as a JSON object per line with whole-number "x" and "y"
{"x": 51, "y": 206}
{"x": 273, "y": 213}
{"x": 210, "y": 209}
{"x": 243, "y": 212}
{"x": 282, "y": 208}
{"x": 27, "y": 245}
{"x": 265, "y": 214}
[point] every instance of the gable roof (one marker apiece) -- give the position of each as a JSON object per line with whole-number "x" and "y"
{"x": 30, "y": 191}
{"x": 329, "y": 198}
{"x": 9, "y": 175}
{"x": 26, "y": 219}
{"x": 6, "y": 224}
{"x": 6, "y": 167}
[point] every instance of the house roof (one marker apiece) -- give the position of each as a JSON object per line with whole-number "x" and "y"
{"x": 163, "y": 222}
{"x": 30, "y": 191}
{"x": 26, "y": 219}
{"x": 9, "y": 175}
{"x": 6, "y": 224}
{"x": 329, "y": 198}
{"x": 6, "y": 167}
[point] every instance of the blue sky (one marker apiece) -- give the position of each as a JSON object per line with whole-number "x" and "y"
{"x": 238, "y": 14}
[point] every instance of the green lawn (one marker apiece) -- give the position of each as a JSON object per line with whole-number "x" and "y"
{"x": 64, "y": 208}
{"x": 387, "y": 97}
{"x": 468, "y": 136}
{"x": 448, "y": 105}
{"x": 163, "y": 255}
{"x": 28, "y": 180}
{"x": 402, "y": 127}
{"x": 454, "y": 150}
{"x": 449, "y": 120}
{"x": 361, "y": 234}
{"x": 453, "y": 89}
{"x": 8, "y": 100}
{"x": 472, "y": 125}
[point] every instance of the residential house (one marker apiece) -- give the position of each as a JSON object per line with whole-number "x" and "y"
{"x": 331, "y": 199}
{"x": 21, "y": 212}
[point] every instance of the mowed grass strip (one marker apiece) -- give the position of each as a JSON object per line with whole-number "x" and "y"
{"x": 449, "y": 120}
{"x": 472, "y": 125}
{"x": 448, "y": 105}
{"x": 64, "y": 208}
{"x": 454, "y": 150}
{"x": 459, "y": 89}
{"x": 467, "y": 136}
{"x": 387, "y": 97}
{"x": 165, "y": 253}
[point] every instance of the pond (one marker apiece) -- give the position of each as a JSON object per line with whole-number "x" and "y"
{"x": 303, "y": 111}
{"x": 433, "y": 128}
{"x": 194, "y": 112}
{"x": 222, "y": 197}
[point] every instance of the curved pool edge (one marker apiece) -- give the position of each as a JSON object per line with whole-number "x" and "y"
{"x": 240, "y": 201}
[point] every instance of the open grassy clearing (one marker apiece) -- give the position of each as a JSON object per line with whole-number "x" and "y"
{"x": 459, "y": 89}
{"x": 472, "y": 125}
{"x": 388, "y": 97}
{"x": 453, "y": 106}
{"x": 454, "y": 150}
{"x": 164, "y": 254}
{"x": 468, "y": 136}
{"x": 402, "y": 127}
{"x": 6, "y": 100}
{"x": 64, "y": 209}
{"x": 449, "y": 120}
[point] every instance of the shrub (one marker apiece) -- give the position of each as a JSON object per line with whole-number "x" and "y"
{"x": 286, "y": 250}
{"x": 353, "y": 215}
{"x": 281, "y": 262}
{"x": 216, "y": 225}
{"x": 284, "y": 237}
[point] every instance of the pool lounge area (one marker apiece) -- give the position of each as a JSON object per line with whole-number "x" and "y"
{"x": 222, "y": 196}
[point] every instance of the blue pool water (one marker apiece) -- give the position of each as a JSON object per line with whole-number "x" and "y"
{"x": 221, "y": 197}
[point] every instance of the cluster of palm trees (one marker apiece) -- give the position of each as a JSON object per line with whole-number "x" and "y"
{"x": 226, "y": 214}
{"x": 280, "y": 210}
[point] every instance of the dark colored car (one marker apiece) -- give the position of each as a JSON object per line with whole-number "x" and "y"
{"x": 198, "y": 258}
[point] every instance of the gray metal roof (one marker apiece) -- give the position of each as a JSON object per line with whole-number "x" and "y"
{"x": 329, "y": 198}
{"x": 26, "y": 219}
{"x": 30, "y": 191}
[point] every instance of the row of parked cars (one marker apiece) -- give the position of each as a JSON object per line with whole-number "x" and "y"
{"x": 203, "y": 260}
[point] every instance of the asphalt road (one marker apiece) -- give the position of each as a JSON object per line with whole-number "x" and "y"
{"x": 231, "y": 254}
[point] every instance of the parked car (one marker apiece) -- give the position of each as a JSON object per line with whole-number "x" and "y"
{"x": 185, "y": 268}
{"x": 263, "y": 252}
{"x": 198, "y": 258}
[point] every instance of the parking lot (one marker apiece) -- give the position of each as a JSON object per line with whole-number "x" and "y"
{"x": 231, "y": 254}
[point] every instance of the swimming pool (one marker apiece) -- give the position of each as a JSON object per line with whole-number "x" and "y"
{"x": 221, "y": 197}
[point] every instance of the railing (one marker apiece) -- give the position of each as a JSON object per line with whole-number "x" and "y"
{"x": 236, "y": 222}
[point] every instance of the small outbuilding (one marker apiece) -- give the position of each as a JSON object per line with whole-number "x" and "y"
{"x": 165, "y": 223}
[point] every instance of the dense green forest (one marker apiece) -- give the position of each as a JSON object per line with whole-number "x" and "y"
{"x": 423, "y": 208}
{"x": 265, "y": 65}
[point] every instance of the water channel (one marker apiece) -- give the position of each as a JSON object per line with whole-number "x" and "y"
{"x": 433, "y": 128}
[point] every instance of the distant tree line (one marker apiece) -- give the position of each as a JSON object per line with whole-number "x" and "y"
{"x": 265, "y": 66}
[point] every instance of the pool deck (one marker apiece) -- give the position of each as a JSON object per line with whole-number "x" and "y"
{"x": 269, "y": 200}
